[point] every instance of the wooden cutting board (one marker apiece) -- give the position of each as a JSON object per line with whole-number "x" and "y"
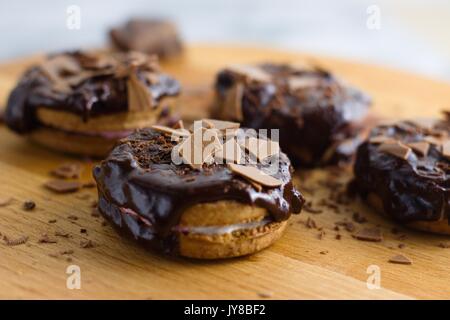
{"x": 302, "y": 265}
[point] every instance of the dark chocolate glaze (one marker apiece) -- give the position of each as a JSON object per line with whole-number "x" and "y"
{"x": 311, "y": 120}
{"x": 415, "y": 189}
{"x": 97, "y": 95}
{"x": 139, "y": 175}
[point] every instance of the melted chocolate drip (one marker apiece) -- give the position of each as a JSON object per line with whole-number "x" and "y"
{"x": 139, "y": 175}
{"x": 96, "y": 95}
{"x": 412, "y": 189}
{"x": 311, "y": 119}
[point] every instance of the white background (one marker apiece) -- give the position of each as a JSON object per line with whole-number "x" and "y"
{"x": 414, "y": 35}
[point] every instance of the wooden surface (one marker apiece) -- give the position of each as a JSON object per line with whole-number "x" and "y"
{"x": 300, "y": 265}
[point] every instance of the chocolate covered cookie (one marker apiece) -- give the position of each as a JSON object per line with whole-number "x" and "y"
{"x": 83, "y": 102}
{"x": 321, "y": 119}
{"x": 151, "y": 36}
{"x": 198, "y": 193}
{"x": 403, "y": 171}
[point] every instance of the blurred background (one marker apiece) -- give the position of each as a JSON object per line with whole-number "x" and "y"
{"x": 412, "y": 35}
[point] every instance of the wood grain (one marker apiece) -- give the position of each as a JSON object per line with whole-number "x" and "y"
{"x": 299, "y": 266}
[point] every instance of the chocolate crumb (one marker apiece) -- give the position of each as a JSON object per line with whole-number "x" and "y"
{"x": 46, "y": 239}
{"x": 86, "y": 244}
{"x": 29, "y": 205}
{"x": 400, "y": 259}
{"x": 62, "y": 234}
{"x": 373, "y": 234}
{"x": 62, "y": 186}
{"x": 338, "y": 237}
{"x": 310, "y": 223}
{"x": 265, "y": 295}
{"x": 65, "y": 252}
{"x": 67, "y": 171}
{"x": 72, "y": 217}
{"x": 82, "y": 230}
{"x": 15, "y": 242}
{"x": 349, "y": 226}
{"x": 401, "y": 245}
{"x": 52, "y": 221}
{"x": 323, "y": 252}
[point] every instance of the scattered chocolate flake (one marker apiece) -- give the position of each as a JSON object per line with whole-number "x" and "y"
{"x": 86, "y": 244}
{"x": 104, "y": 223}
{"x": 321, "y": 235}
{"x": 255, "y": 175}
{"x": 338, "y": 237}
{"x": 52, "y": 221}
{"x": 401, "y": 245}
{"x": 62, "y": 186}
{"x": 421, "y": 147}
{"x": 15, "y": 242}
{"x": 323, "y": 252}
{"x": 4, "y": 201}
{"x": 400, "y": 259}
{"x": 446, "y": 149}
{"x": 310, "y": 223}
{"x": 265, "y": 294}
{"x": 72, "y": 217}
{"x": 82, "y": 230}
{"x": 67, "y": 171}
{"x": 29, "y": 205}
{"x": 366, "y": 234}
{"x": 396, "y": 149}
{"x": 349, "y": 226}
{"x": 358, "y": 218}
{"x": 46, "y": 239}
{"x": 53, "y": 255}
{"x": 62, "y": 234}
{"x": 66, "y": 252}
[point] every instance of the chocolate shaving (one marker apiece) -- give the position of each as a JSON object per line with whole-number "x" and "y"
{"x": 15, "y": 242}
{"x": 87, "y": 244}
{"x": 67, "y": 171}
{"x": 139, "y": 98}
{"x": 46, "y": 239}
{"x": 254, "y": 174}
{"x": 396, "y": 149}
{"x": 446, "y": 149}
{"x": 310, "y": 223}
{"x": 373, "y": 234}
{"x": 400, "y": 259}
{"x": 420, "y": 147}
{"x": 61, "y": 186}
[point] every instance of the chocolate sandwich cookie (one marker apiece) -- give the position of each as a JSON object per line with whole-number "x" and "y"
{"x": 151, "y": 36}
{"x": 321, "y": 120}
{"x": 403, "y": 170}
{"x": 83, "y": 102}
{"x": 196, "y": 193}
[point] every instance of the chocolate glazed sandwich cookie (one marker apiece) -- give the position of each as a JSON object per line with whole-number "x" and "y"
{"x": 403, "y": 171}
{"x": 82, "y": 103}
{"x": 198, "y": 193}
{"x": 321, "y": 120}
